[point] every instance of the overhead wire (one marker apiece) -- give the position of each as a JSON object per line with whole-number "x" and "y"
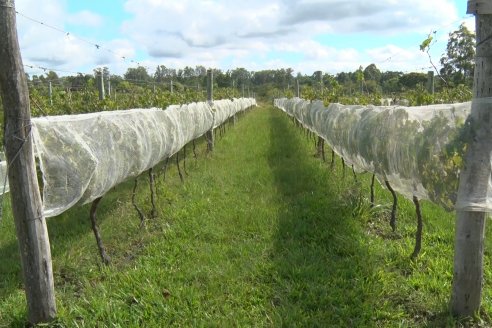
{"x": 98, "y": 46}
{"x": 435, "y": 40}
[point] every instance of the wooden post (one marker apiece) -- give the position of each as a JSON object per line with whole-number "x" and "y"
{"x": 210, "y": 97}
{"x": 50, "y": 91}
{"x": 172, "y": 87}
{"x": 101, "y": 85}
{"x": 319, "y": 77}
{"x": 475, "y": 176}
{"x": 109, "y": 88}
{"x": 430, "y": 82}
{"x": 298, "y": 94}
{"x": 30, "y": 224}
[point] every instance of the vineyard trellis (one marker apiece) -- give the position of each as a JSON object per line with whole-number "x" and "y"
{"x": 417, "y": 150}
{"x": 420, "y": 152}
{"x": 72, "y": 160}
{"x": 428, "y": 151}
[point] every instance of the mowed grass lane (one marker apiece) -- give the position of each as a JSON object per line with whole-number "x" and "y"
{"x": 261, "y": 234}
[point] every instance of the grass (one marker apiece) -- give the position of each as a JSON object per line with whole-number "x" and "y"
{"x": 261, "y": 234}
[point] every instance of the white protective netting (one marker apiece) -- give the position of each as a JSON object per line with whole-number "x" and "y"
{"x": 417, "y": 149}
{"x": 83, "y": 156}
{"x": 4, "y": 184}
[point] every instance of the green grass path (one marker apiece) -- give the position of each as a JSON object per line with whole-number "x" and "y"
{"x": 261, "y": 234}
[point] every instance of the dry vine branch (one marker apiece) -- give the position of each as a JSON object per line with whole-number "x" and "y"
{"x": 418, "y": 234}
{"x": 164, "y": 169}
{"x": 139, "y": 211}
{"x": 372, "y": 190}
{"x": 153, "y": 212}
{"x": 355, "y": 175}
{"x": 184, "y": 160}
{"x": 395, "y": 204}
{"x": 179, "y": 169}
{"x": 194, "y": 149}
{"x": 102, "y": 251}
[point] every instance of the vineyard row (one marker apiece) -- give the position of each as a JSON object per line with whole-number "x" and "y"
{"x": 418, "y": 150}
{"x": 83, "y": 156}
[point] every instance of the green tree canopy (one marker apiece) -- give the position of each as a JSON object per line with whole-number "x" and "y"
{"x": 458, "y": 62}
{"x": 139, "y": 74}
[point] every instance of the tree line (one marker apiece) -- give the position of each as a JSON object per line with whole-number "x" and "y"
{"x": 452, "y": 82}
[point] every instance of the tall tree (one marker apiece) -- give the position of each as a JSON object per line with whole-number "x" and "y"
{"x": 139, "y": 74}
{"x": 373, "y": 73}
{"x": 458, "y": 62}
{"x": 411, "y": 80}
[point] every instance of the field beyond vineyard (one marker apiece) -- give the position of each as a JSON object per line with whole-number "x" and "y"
{"x": 260, "y": 234}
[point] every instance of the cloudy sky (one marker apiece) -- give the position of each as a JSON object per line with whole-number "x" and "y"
{"x": 306, "y": 35}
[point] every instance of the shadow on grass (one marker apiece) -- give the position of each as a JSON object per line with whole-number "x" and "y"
{"x": 323, "y": 267}
{"x": 64, "y": 231}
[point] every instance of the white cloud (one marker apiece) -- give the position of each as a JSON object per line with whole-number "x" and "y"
{"x": 86, "y": 18}
{"x": 254, "y": 34}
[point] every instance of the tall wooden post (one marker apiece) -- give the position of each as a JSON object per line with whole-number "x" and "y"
{"x": 172, "y": 87}
{"x": 430, "y": 82}
{"x": 210, "y": 97}
{"x": 476, "y": 175}
{"x": 319, "y": 79}
{"x": 101, "y": 85}
{"x": 50, "y": 92}
{"x": 30, "y": 224}
{"x": 298, "y": 94}
{"x": 109, "y": 88}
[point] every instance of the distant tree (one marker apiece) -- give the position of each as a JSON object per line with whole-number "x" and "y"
{"x": 221, "y": 79}
{"x": 159, "y": 74}
{"x": 411, "y": 80}
{"x": 390, "y": 82}
{"x": 200, "y": 71}
{"x": 329, "y": 80}
{"x": 372, "y": 73}
{"x": 240, "y": 76}
{"x": 138, "y": 74}
{"x": 51, "y": 76}
{"x": 344, "y": 77}
{"x": 78, "y": 82}
{"x": 162, "y": 73}
{"x": 458, "y": 62}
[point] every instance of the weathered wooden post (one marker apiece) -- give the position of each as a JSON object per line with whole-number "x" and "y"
{"x": 319, "y": 79}
{"x": 475, "y": 177}
{"x": 210, "y": 97}
{"x": 109, "y": 88}
{"x": 50, "y": 92}
{"x": 101, "y": 85}
{"x": 298, "y": 94}
{"x": 430, "y": 82}
{"x": 172, "y": 87}
{"x": 30, "y": 224}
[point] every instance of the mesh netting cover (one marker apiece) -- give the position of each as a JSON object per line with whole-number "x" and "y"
{"x": 83, "y": 156}
{"x": 419, "y": 150}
